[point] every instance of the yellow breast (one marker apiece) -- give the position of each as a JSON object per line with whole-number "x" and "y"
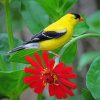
{"x": 55, "y": 43}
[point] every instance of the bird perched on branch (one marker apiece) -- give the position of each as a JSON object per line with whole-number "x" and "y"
{"x": 53, "y": 36}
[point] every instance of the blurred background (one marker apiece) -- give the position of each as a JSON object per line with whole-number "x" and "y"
{"x": 27, "y": 22}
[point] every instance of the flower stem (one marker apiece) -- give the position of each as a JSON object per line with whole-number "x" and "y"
{"x": 96, "y": 35}
{"x": 9, "y": 25}
{"x": 9, "y": 28}
{"x": 78, "y": 38}
{"x": 40, "y": 97}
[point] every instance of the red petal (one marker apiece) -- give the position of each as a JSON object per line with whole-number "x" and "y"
{"x": 68, "y": 76}
{"x": 59, "y": 67}
{"x": 45, "y": 57}
{"x": 60, "y": 93}
{"x": 30, "y": 79}
{"x": 38, "y": 59}
{"x": 32, "y": 62}
{"x": 69, "y": 84}
{"x": 40, "y": 88}
{"x": 51, "y": 90}
{"x": 31, "y": 70}
{"x": 67, "y": 90}
{"x": 36, "y": 83}
{"x": 51, "y": 64}
{"x": 67, "y": 70}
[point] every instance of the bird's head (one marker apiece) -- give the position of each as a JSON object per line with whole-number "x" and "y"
{"x": 76, "y": 17}
{"x": 73, "y": 18}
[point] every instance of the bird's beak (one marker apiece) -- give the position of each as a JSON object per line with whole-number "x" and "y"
{"x": 81, "y": 19}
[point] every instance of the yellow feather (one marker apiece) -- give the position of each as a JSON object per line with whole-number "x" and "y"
{"x": 63, "y": 28}
{"x": 67, "y": 22}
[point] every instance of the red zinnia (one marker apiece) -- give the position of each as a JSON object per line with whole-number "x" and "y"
{"x": 57, "y": 77}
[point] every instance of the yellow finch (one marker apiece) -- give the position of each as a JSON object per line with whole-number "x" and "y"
{"x": 53, "y": 36}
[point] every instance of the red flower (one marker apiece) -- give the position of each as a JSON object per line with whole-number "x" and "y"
{"x": 47, "y": 74}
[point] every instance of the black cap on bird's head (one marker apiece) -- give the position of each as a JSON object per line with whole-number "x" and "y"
{"x": 77, "y": 16}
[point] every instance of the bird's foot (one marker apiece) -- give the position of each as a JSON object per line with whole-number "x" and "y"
{"x": 57, "y": 55}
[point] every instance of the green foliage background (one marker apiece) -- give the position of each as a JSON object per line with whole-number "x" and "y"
{"x": 36, "y": 15}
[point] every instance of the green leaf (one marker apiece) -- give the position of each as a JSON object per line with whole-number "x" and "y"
{"x": 11, "y": 83}
{"x": 94, "y": 22}
{"x": 17, "y": 21}
{"x": 4, "y": 1}
{"x": 2, "y": 64}
{"x": 4, "y": 41}
{"x": 81, "y": 28}
{"x": 93, "y": 79}
{"x": 34, "y": 16}
{"x": 87, "y": 95}
{"x": 69, "y": 54}
{"x": 80, "y": 37}
{"x": 19, "y": 56}
{"x": 66, "y": 5}
{"x": 56, "y": 8}
{"x": 86, "y": 58}
{"x": 4, "y": 47}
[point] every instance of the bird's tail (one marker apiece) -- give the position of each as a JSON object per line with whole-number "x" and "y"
{"x": 16, "y": 49}
{"x": 25, "y": 46}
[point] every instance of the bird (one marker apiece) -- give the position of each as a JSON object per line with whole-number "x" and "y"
{"x": 53, "y": 36}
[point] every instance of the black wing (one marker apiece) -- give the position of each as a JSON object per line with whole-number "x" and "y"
{"x": 46, "y": 36}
